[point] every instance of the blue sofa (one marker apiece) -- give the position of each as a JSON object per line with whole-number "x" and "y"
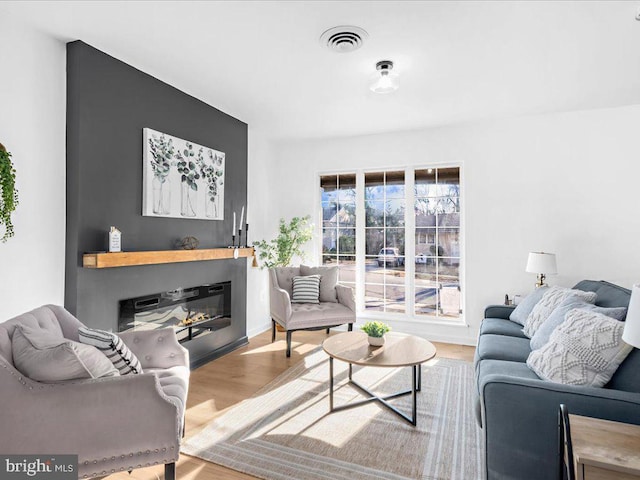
{"x": 518, "y": 411}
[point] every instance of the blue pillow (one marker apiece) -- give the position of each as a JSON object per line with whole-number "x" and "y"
{"x": 557, "y": 317}
{"x": 523, "y": 309}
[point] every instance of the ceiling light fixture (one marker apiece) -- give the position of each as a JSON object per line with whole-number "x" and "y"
{"x": 385, "y": 80}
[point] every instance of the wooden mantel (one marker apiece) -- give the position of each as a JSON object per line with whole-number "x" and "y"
{"x": 128, "y": 259}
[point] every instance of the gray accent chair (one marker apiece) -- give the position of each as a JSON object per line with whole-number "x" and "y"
{"x": 518, "y": 411}
{"x": 306, "y": 316}
{"x": 113, "y": 424}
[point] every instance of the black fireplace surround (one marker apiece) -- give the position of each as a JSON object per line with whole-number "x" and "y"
{"x": 192, "y": 311}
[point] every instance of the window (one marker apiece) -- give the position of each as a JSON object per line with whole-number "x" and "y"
{"x": 437, "y": 242}
{"x": 338, "y": 196}
{"x": 407, "y": 264}
{"x": 384, "y": 201}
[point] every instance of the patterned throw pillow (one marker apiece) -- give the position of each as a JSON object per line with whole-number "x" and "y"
{"x": 306, "y": 289}
{"x": 553, "y": 297}
{"x": 556, "y": 318}
{"x": 586, "y": 349}
{"x": 113, "y": 347}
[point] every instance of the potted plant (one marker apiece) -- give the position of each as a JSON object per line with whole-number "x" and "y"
{"x": 280, "y": 251}
{"x": 375, "y": 331}
{"x": 8, "y": 193}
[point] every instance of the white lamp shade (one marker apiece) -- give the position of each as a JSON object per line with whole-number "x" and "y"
{"x": 540, "y": 262}
{"x": 631, "y": 334}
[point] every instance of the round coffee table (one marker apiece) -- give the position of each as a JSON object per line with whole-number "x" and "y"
{"x": 399, "y": 350}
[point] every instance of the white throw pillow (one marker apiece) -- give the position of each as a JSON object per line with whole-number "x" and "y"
{"x": 114, "y": 349}
{"x": 45, "y": 357}
{"x": 553, "y": 297}
{"x": 586, "y": 349}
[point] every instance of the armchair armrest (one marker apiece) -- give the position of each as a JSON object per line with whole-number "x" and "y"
{"x": 156, "y": 348}
{"x": 280, "y": 304}
{"x": 499, "y": 311}
{"x": 346, "y": 297}
{"x": 520, "y": 416}
{"x": 112, "y": 423}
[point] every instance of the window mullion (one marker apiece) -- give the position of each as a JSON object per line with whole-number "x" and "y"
{"x": 360, "y": 241}
{"x": 409, "y": 241}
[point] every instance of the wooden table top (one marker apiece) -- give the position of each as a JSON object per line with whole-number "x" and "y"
{"x": 603, "y": 443}
{"x": 399, "y": 349}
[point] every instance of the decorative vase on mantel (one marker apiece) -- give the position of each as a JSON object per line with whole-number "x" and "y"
{"x": 376, "y": 341}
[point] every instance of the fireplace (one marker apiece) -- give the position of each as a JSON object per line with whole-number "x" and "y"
{"x": 193, "y": 312}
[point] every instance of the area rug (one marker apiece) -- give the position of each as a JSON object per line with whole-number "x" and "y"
{"x": 285, "y": 431}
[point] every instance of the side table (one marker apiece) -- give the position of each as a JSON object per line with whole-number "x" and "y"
{"x": 604, "y": 450}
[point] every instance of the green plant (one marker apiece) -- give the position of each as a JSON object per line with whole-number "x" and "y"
{"x": 9, "y": 194}
{"x": 187, "y": 165}
{"x": 280, "y": 251}
{"x": 375, "y": 328}
{"x": 162, "y": 152}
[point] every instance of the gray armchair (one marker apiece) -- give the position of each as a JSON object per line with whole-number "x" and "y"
{"x": 306, "y": 316}
{"x": 112, "y": 423}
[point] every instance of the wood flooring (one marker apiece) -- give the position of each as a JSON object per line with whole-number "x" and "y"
{"x": 227, "y": 381}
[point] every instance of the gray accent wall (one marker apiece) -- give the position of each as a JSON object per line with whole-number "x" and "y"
{"x": 108, "y": 105}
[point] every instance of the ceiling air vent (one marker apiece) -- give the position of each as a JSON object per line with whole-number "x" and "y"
{"x": 344, "y": 38}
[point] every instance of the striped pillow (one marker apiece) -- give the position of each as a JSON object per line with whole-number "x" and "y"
{"x": 113, "y": 347}
{"x": 306, "y": 289}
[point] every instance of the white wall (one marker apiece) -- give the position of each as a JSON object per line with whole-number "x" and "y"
{"x": 262, "y": 225}
{"x": 32, "y": 128}
{"x": 564, "y": 183}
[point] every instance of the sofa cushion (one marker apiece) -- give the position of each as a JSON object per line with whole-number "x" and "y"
{"x": 309, "y": 315}
{"x": 328, "y": 281}
{"x": 112, "y": 346}
{"x": 609, "y": 295}
{"x": 553, "y": 297}
{"x": 500, "y": 326}
{"x": 626, "y": 377}
{"x": 557, "y": 317}
{"x": 50, "y": 358}
{"x": 501, "y": 347}
{"x": 585, "y": 350}
{"x": 285, "y": 275}
{"x": 526, "y": 305}
{"x": 306, "y": 289}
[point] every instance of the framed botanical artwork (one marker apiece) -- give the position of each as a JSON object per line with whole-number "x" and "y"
{"x": 181, "y": 179}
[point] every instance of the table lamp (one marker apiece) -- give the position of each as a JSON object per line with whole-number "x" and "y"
{"x": 542, "y": 264}
{"x": 631, "y": 334}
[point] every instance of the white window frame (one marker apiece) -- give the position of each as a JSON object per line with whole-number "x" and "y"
{"x": 409, "y": 263}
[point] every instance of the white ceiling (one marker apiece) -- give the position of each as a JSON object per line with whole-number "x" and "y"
{"x": 458, "y": 61}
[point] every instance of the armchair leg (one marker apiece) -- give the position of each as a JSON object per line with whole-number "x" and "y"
{"x": 170, "y": 471}
{"x": 328, "y": 331}
{"x": 288, "y": 343}
{"x": 273, "y": 330}
{"x": 350, "y": 327}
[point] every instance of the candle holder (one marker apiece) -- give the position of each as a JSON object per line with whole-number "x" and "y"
{"x": 240, "y": 238}
{"x": 246, "y": 235}
{"x": 233, "y": 242}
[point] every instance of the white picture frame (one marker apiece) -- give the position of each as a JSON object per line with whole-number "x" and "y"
{"x": 181, "y": 179}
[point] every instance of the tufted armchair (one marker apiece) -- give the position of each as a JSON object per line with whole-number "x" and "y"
{"x": 112, "y": 423}
{"x": 308, "y": 316}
